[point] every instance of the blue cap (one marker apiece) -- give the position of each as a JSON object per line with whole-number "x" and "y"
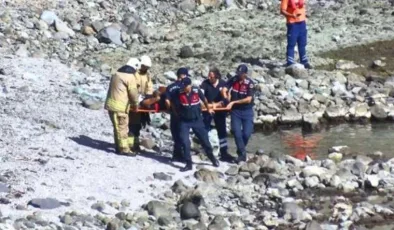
{"x": 186, "y": 82}
{"x": 242, "y": 69}
{"x": 182, "y": 71}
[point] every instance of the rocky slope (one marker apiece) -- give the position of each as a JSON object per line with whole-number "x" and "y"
{"x": 58, "y": 169}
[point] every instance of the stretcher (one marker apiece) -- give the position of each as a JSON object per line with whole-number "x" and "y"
{"x": 142, "y": 110}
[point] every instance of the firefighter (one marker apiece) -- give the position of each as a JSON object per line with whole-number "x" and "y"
{"x": 171, "y": 91}
{"x": 212, "y": 91}
{"x": 122, "y": 94}
{"x": 241, "y": 106}
{"x": 188, "y": 107}
{"x": 145, "y": 90}
{"x": 294, "y": 11}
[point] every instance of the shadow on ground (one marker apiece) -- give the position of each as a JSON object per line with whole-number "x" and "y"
{"x": 94, "y": 144}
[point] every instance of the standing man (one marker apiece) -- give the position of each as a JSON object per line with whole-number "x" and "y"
{"x": 171, "y": 92}
{"x": 241, "y": 106}
{"x": 294, "y": 11}
{"x": 145, "y": 90}
{"x": 212, "y": 91}
{"x": 122, "y": 94}
{"x": 188, "y": 107}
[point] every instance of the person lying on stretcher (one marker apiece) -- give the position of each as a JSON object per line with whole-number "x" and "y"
{"x": 156, "y": 102}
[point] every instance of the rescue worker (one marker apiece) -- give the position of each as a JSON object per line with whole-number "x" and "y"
{"x": 188, "y": 107}
{"x": 212, "y": 91}
{"x": 241, "y": 106}
{"x": 122, "y": 94}
{"x": 171, "y": 91}
{"x": 145, "y": 90}
{"x": 294, "y": 11}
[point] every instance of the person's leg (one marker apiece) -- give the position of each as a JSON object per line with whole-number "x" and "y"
{"x": 201, "y": 133}
{"x": 175, "y": 133}
{"x": 302, "y": 42}
{"x": 134, "y": 119}
{"x": 207, "y": 120}
{"x": 135, "y": 130}
{"x": 236, "y": 127}
{"x": 247, "y": 127}
{"x": 122, "y": 121}
{"x": 115, "y": 130}
{"x": 220, "y": 123}
{"x": 291, "y": 43}
{"x": 184, "y": 128}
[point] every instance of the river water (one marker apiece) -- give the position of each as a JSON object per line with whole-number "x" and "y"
{"x": 361, "y": 139}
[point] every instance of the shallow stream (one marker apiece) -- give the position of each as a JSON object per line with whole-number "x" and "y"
{"x": 361, "y": 139}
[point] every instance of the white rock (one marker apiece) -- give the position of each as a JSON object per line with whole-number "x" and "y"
{"x": 62, "y": 27}
{"x": 170, "y": 75}
{"x": 311, "y": 182}
{"x": 372, "y": 181}
{"x": 309, "y": 171}
{"x": 335, "y": 181}
{"x": 49, "y": 17}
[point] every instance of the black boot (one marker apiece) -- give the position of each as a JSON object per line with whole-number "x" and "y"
{"x": 188, "y": 167}
{"x": 241, "y": 158}
{"x": 225, "y": 157}
{"x": 177, "y": 157}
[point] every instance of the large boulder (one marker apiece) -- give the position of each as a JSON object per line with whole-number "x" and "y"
{"x": 110, "y": 34}
{"x": 297, "y": 71}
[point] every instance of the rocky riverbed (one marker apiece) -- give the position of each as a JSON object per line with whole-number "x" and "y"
{"x": 58, "y": 167}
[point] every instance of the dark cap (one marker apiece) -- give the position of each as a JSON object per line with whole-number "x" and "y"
{"x": 186, "y": 82}
{"x": 182, "y": 71}
{"x": 242, "y": 69}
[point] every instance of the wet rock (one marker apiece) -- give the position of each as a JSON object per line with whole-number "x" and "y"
{"x": 207, "y": 176}
{"x": 47, "y": 203}
{"x": 189, "y": 211}
{"x": 162, "y": 176}
{"x": 186, "y": 52}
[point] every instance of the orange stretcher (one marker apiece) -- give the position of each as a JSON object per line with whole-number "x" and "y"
{"x": 160, "y": 111}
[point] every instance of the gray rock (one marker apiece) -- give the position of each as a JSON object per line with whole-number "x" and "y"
{"x": 22, "y": 51}
{"x": 98, "y": 26}
{"x": 232, "y": 171}
{"x": 297, "y": 71}
{"x": 189, "y": 211}
{"x": 61, "y": 36}
{"x": 313, "y": 225}
{"x": 47, "y": 203}
{"x": 218, "y": 223}
{"x": 148, "y": 143}
{"x": 99, "y": 206}
{"x": 378, "y": 112}
{"x": 186, "y": 52}
{"x": 187, "y": 5}
{"x": 164, "y": 221}
{"x": 179, "y": 187}
{"x": 49, "y": 17}
{"x": 162, "y": 176}
{"x": 291, "y": 117}
{"x": 208, "y": 176}
{"x": 372, "y": 181}
{"x": 170, "y": 75}
{"x": 311, "y": 182}
{"x": 4, "y": 188}
{"x": 92, "y": 104}
{"x": 157, "y": 208}
{"x": 62, "y": 27}
{"x": 309, "y": 171}
{"x": 110, "y": 34}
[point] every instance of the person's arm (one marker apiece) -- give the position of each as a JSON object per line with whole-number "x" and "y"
{"x": 226, "y": 88}
{"x": 205, "y": 101}
{"x": 132, "y": 92}
{"x": 248, "y": 99}
{"x": 283, "y": 9}
{"x": 151, "y": 99}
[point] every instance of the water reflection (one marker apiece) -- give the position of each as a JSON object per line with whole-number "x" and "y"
{"x": 363, "y": 139}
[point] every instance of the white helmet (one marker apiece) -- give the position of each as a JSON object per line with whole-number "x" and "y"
{"x": 145, "y": 60}
{"x": 134, "y": 62}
